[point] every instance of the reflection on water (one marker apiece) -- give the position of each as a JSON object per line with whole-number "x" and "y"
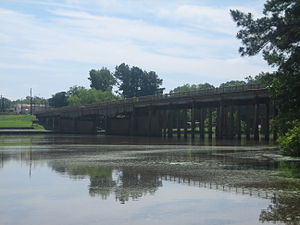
{"x": 205, "y": 183}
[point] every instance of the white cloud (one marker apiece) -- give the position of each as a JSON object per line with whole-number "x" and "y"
{"x": 212, "y": 19}
{"x": 72, "y": 40}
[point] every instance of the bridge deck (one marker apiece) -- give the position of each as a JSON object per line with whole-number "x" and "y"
{"x": 240, "y": 94}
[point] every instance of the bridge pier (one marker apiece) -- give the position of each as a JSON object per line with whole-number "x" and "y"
{"x": 266, "y": 121}
{"x": 238, "y": 122}
{"x": 165, "y": 122}
{"x": 201, "y": 123}
{"x": 248, "y": 122}
{"x": 133, "y": 123}
{"x": 170, "y": 123}
{"x": 231, "y": 122}
{"x": 178, "y": 122}
{"x": 255, "y": 121}
{"x": 221, "y": 118}
{"x": 210, "y": 126}
{"x": 185, "y": 120}
{"x": 193, "y": 121}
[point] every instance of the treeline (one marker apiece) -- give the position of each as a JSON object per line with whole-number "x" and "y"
{"x": 124, "y": 82}
{"x": 127, "y": 81}
{"x": 6, "y": 103}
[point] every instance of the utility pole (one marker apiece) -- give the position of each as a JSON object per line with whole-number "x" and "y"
{"x": 30, "y": 101}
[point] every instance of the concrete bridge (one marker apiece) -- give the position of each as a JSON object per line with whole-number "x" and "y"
{"x": 228, "y": 112}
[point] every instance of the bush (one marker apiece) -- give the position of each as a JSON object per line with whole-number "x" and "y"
{"x": 290, "y": 141}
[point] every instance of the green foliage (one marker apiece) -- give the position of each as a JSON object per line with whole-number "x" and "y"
{"x": 87, "y": 96}
{"x": 102, "y": 79}
{"x": 262, "y": 78}
{"x": 193, "y": 87}
{"x": 232, "y": 83}
{"x": 5, "y": 104}
{"x": 35, "y": 100}
{"x": 277, "y": 36}
{"x": 134, "y": 82}
{"x": 58, "y": 100}
{"x": 290, "y": 141}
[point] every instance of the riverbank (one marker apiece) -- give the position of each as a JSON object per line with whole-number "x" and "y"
{"x": 24, "y": 131}
{"x": 17, "y": 122}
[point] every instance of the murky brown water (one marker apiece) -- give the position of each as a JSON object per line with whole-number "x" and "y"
{"x": 72, "y": 179}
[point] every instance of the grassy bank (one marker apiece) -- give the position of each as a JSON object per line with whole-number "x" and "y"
{"x": 18, "y": 121}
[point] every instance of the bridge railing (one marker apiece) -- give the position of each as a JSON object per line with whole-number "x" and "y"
{"x": 150, "y": 98}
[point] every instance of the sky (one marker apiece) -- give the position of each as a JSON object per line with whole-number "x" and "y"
{"x": 51, "y": 45}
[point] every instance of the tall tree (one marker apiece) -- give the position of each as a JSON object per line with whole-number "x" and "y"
{"x": 5, "y": 104}
{"x": 58, "y": 100}
{"x": 277, "y": 36}
{"x": 134, "y": 82}
{"x": 102, "y": 79}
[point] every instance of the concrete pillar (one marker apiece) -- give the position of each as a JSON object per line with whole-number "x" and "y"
{"x": 178, "y": 122}
{"x": 185, "y": 122}
{"x": 255, "y": 121}
{"x": 267, "y": 125}
{"x": 248, "y": 122}
{"x": 193, "y": 121}
{"x": 132, "y": 123}
{"x": 165, "y": 123}
{"x": 170, "y": 123}
{"x": 238, "y": 123}
{"x": 231, "y": 122}
{"x": 106, "y": 124}
{"x": 221, "y": 120}
{"x": 210, "y": 123}
{"x": 53, "y": 123}
{"x": 150, "y": 112}
{"x": 202, "y": 125}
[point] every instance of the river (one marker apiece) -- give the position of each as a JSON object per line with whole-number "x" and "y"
{"x": 81, "y": 179}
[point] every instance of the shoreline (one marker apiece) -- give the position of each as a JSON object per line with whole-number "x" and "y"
{"x": 24, "y": 131}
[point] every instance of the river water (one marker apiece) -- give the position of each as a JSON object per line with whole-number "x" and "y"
{"x": 73, "y": 179}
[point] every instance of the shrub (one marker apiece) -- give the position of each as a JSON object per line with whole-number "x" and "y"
{"x": 290, "y": 141}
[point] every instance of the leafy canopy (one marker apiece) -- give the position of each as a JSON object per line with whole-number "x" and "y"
{"x": 193, "y": 87}
{"x": 134, "y": 82}
{"x": 101, "y": 79}
{"x": 59, "y": 99}
{"x": 277, "y": 36}
{"x": 81, "y": 96}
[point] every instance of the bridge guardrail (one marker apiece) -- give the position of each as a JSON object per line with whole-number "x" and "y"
{"x": 145, "y": 99}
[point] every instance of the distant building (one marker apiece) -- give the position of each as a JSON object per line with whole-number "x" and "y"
{"x": 25, "y": 108}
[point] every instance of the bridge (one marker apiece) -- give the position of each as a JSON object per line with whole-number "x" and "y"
{"x": 228, "y": 112}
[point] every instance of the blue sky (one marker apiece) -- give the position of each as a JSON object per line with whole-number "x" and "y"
{"x": 51, "y": 45}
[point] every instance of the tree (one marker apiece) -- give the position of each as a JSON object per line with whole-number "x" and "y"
{"x": 27, "y": 100}
{"x": 5, "y": 104}
{"x": 89, "y": 96}
{"x": 277, "y": 36}
{"x": 102, "y": 79}
{"x": 193, "y": 87}
{"x": 134, "y": 82}
{"x": 232, "y": 83}
{"x": 58, "y": 100}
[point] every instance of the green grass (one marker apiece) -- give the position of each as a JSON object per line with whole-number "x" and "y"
{"x": 18, "y": 121}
